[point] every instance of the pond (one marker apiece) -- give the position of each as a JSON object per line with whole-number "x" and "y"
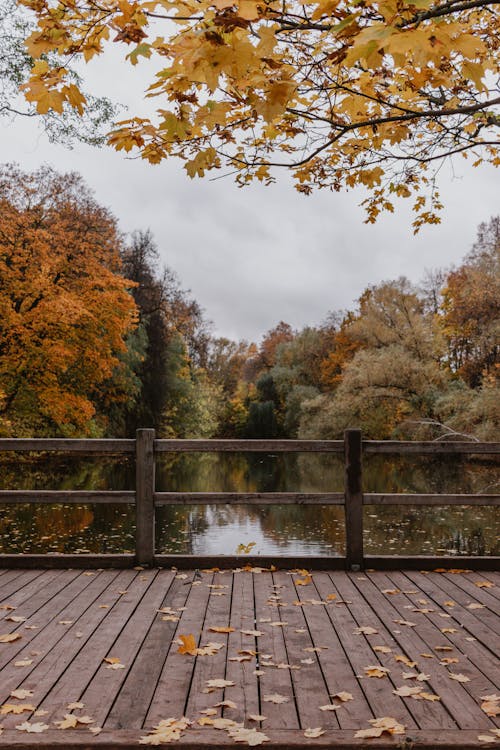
{"x": 268, "y": 529}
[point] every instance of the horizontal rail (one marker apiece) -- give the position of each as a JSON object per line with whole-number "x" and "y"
{"x": 67, "y": 445}
{"x": 66, "y": 496}
{"x": 426, "y": 447}
{"x": 374, "y": 498}
{"x": 248, "y": 446}
{"x": 242, "y": 498}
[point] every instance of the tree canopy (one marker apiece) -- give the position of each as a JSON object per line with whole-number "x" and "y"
{"x": 341, "y": 92}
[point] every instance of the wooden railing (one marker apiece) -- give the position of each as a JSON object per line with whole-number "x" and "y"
{"x": 145, "y": 497}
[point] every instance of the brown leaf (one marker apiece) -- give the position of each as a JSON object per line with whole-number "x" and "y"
{"x": 382, "y": 649}
{"x": 459, "y": 677}
{"x": 376, "y": 671}
{"x": 405, "y": 660}
{"x": 21, "y": 694}
{"x": 36, "y": 727}
{"x": 313, "y": 733}
{"x": 365, "y": 630}
{"x": 220, "y": 629}
{"x": 16, "y": 708}
{"x": 275, "y": 698}
{"x": 343, "y": 696}
{"x": 217, "y": 684}
{"x": 484, "y": 584}
{"x": 257, "y": 717}
{"x": 252, "y": 737}
{"x": 10, "y": 637}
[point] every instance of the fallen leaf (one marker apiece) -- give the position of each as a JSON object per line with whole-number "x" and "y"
{"x": 7, "y": 607}
{"x": 72, "y": 706}
{"x": 484, "y": 584}
{"x": 448, "y": 660}
{"x": 313, "y": 733}
{"x": 278, "y": 624}
{"x": 305, "y": 581}
{"x": 16, "y": 708}
{"x": 217, "y": 629}
{"x": 365, "y": 630}
{"x": 23, "y": 663}
{"x": 343, "y": 696}
{"x": 443, "y": 648}
{"x": 255, "y": 633}
{"x": 429, "y": 696}
{"x": 458, "y": 677}
{"x": 385, "y": 724}
{"x": 486, "y": 738}
{"x": 331, "y": 597}
{"x": 449, "y": 630}
{"x": 21, "y": 694}
{"x": 35, "y": 727}
{"x": 491, "y": 704}
{"x": 376, "y": 671}
{"x": 10, "y": 637}
{"x": 116, "y": 666}
{"x": 252, "y": 737}
{"x": 419, "y": 676}
{"x": 71, "y": 721}
{"x": 227, "y": 704}
{"x": 307, "y": 661}
{"x": 382, "y": 649}
{"x": 40, "y": 712}
{"x": 405, "y": 622}
{"x": 16, "y": 618}
{"x": 427, "y": 656}
{"x": 476, "y": 605}
{"x": 217, "y": 684}
{"x": 275, "y": 698}
{"x": 257, "y": 717}
{"x": 111, "y": 659}
{"x": 406, "y": 691}
{"x": 405, "y": 660}
{"x": 95, "y": 730}
{"x": 65, "y": 622}
{"x": 391, "y": 591}
{"x": 330, "y": 707}
{"x": 449, "y": 603}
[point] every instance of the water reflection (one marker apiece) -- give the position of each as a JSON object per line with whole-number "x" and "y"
{"x": 215, "y": 529}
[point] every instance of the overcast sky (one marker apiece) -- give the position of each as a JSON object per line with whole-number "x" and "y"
{"x": 258, "y": 255}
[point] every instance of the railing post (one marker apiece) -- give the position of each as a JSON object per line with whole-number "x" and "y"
{"x": 144, "y": 497}
{"x": 353, "y": 493}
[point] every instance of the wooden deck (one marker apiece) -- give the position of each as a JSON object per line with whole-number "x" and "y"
{"x": 309, "y": 649}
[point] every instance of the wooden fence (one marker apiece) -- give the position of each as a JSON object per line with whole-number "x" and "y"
{"x": 145, "y": 498}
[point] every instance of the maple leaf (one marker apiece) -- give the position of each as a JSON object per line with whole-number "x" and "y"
{"x": 406, "y": 691}
{"x": 459, "y": 677}
{"x": 305, "y": 581}
{"x": 491, "y": 704}
{"x": 275, "y": 698}
{"x": 221, "y": 629}
{"x": 486, "y": 738}
{"x": 36, "y": 727}
{"x": 366, "y": 630}
{"x": 217, "y": 684}
{"x": 72, "y": 706}
{"x": 252, "y": 737}
{"x": 257, "y": 717}
{"x": 405, "y": 660}
{"x": 484, "y": 584}
{"x": 376, "y": 671}
{"x": 10, "y": 637}
{"x": 21, "y": 693}
{"x": 313, "y": 733}
{"x": 16, "y": 708}
{"x": 16, "y": 618}
{"x": 343, "y": 696}
{"x": 382, "y": 649}
{"x": 475, "y": 605}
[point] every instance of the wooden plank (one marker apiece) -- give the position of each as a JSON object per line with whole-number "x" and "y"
{"x": 67, "y": 445}
{"x": 460, "y": 705}
{"x": 44, "y": 562}
{"x": 207, "y": 739}
{"x": 144, "y": 488}
{"x": 217, "y": 614}
{"x": 249, "y": 498}
{"x": 172, "y": 690}
{"x": 426, "y": 447}
{"x": 136, "y": 693}
{"x": 249, "y": 446}
{"x": 474, "y": 650}
{"x": 65, "y": 496}
{"x": 308, "y": 680}
{"x": 353, "y": 500}
{"x": 52, "y": 647}
{"x": 104, "y": 687}
{"x": 347, "y": 618}
{"x": 15, "y": 580}
{"x": 78, "y": 659}
{"x": 338, "y": 672}
{"x": 272, "y": 642}
{"x": 484, "y": 595}
{"x": 245, "y": 692}
{"x": 376, "y": 498}
{"x": 284, "y": 562}
{"x": 429, "y": 562}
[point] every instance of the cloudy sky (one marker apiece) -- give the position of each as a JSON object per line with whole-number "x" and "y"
{"x": 258, "y": 255}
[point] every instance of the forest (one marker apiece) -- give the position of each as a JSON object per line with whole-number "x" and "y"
{"x": 97, "y": 338}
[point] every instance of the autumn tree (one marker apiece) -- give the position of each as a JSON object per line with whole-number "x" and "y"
{"x": 63, "y": 124}
{"x": 375, "y": 93}
{"x": 471, "y": 309}
{"x": 65, "y": 308}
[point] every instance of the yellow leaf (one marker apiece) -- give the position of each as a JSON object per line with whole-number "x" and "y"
{"x": 10, "y": 637}
{"x": 188, "y": 645}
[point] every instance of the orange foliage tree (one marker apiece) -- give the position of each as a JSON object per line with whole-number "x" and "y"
{"x": 65, "y": 310}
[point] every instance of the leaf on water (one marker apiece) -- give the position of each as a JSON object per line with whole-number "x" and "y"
{"x": 459, "y": 677}
{"x": 365, "y": 630}
{"x": 36, "y": 727}
{"x": 10, "y": 637}
{"x": 275, "y": 698}
{"x": 16, "y": 708}
{"x": 21, "y": 694}
{"x": 313, "y": 733}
